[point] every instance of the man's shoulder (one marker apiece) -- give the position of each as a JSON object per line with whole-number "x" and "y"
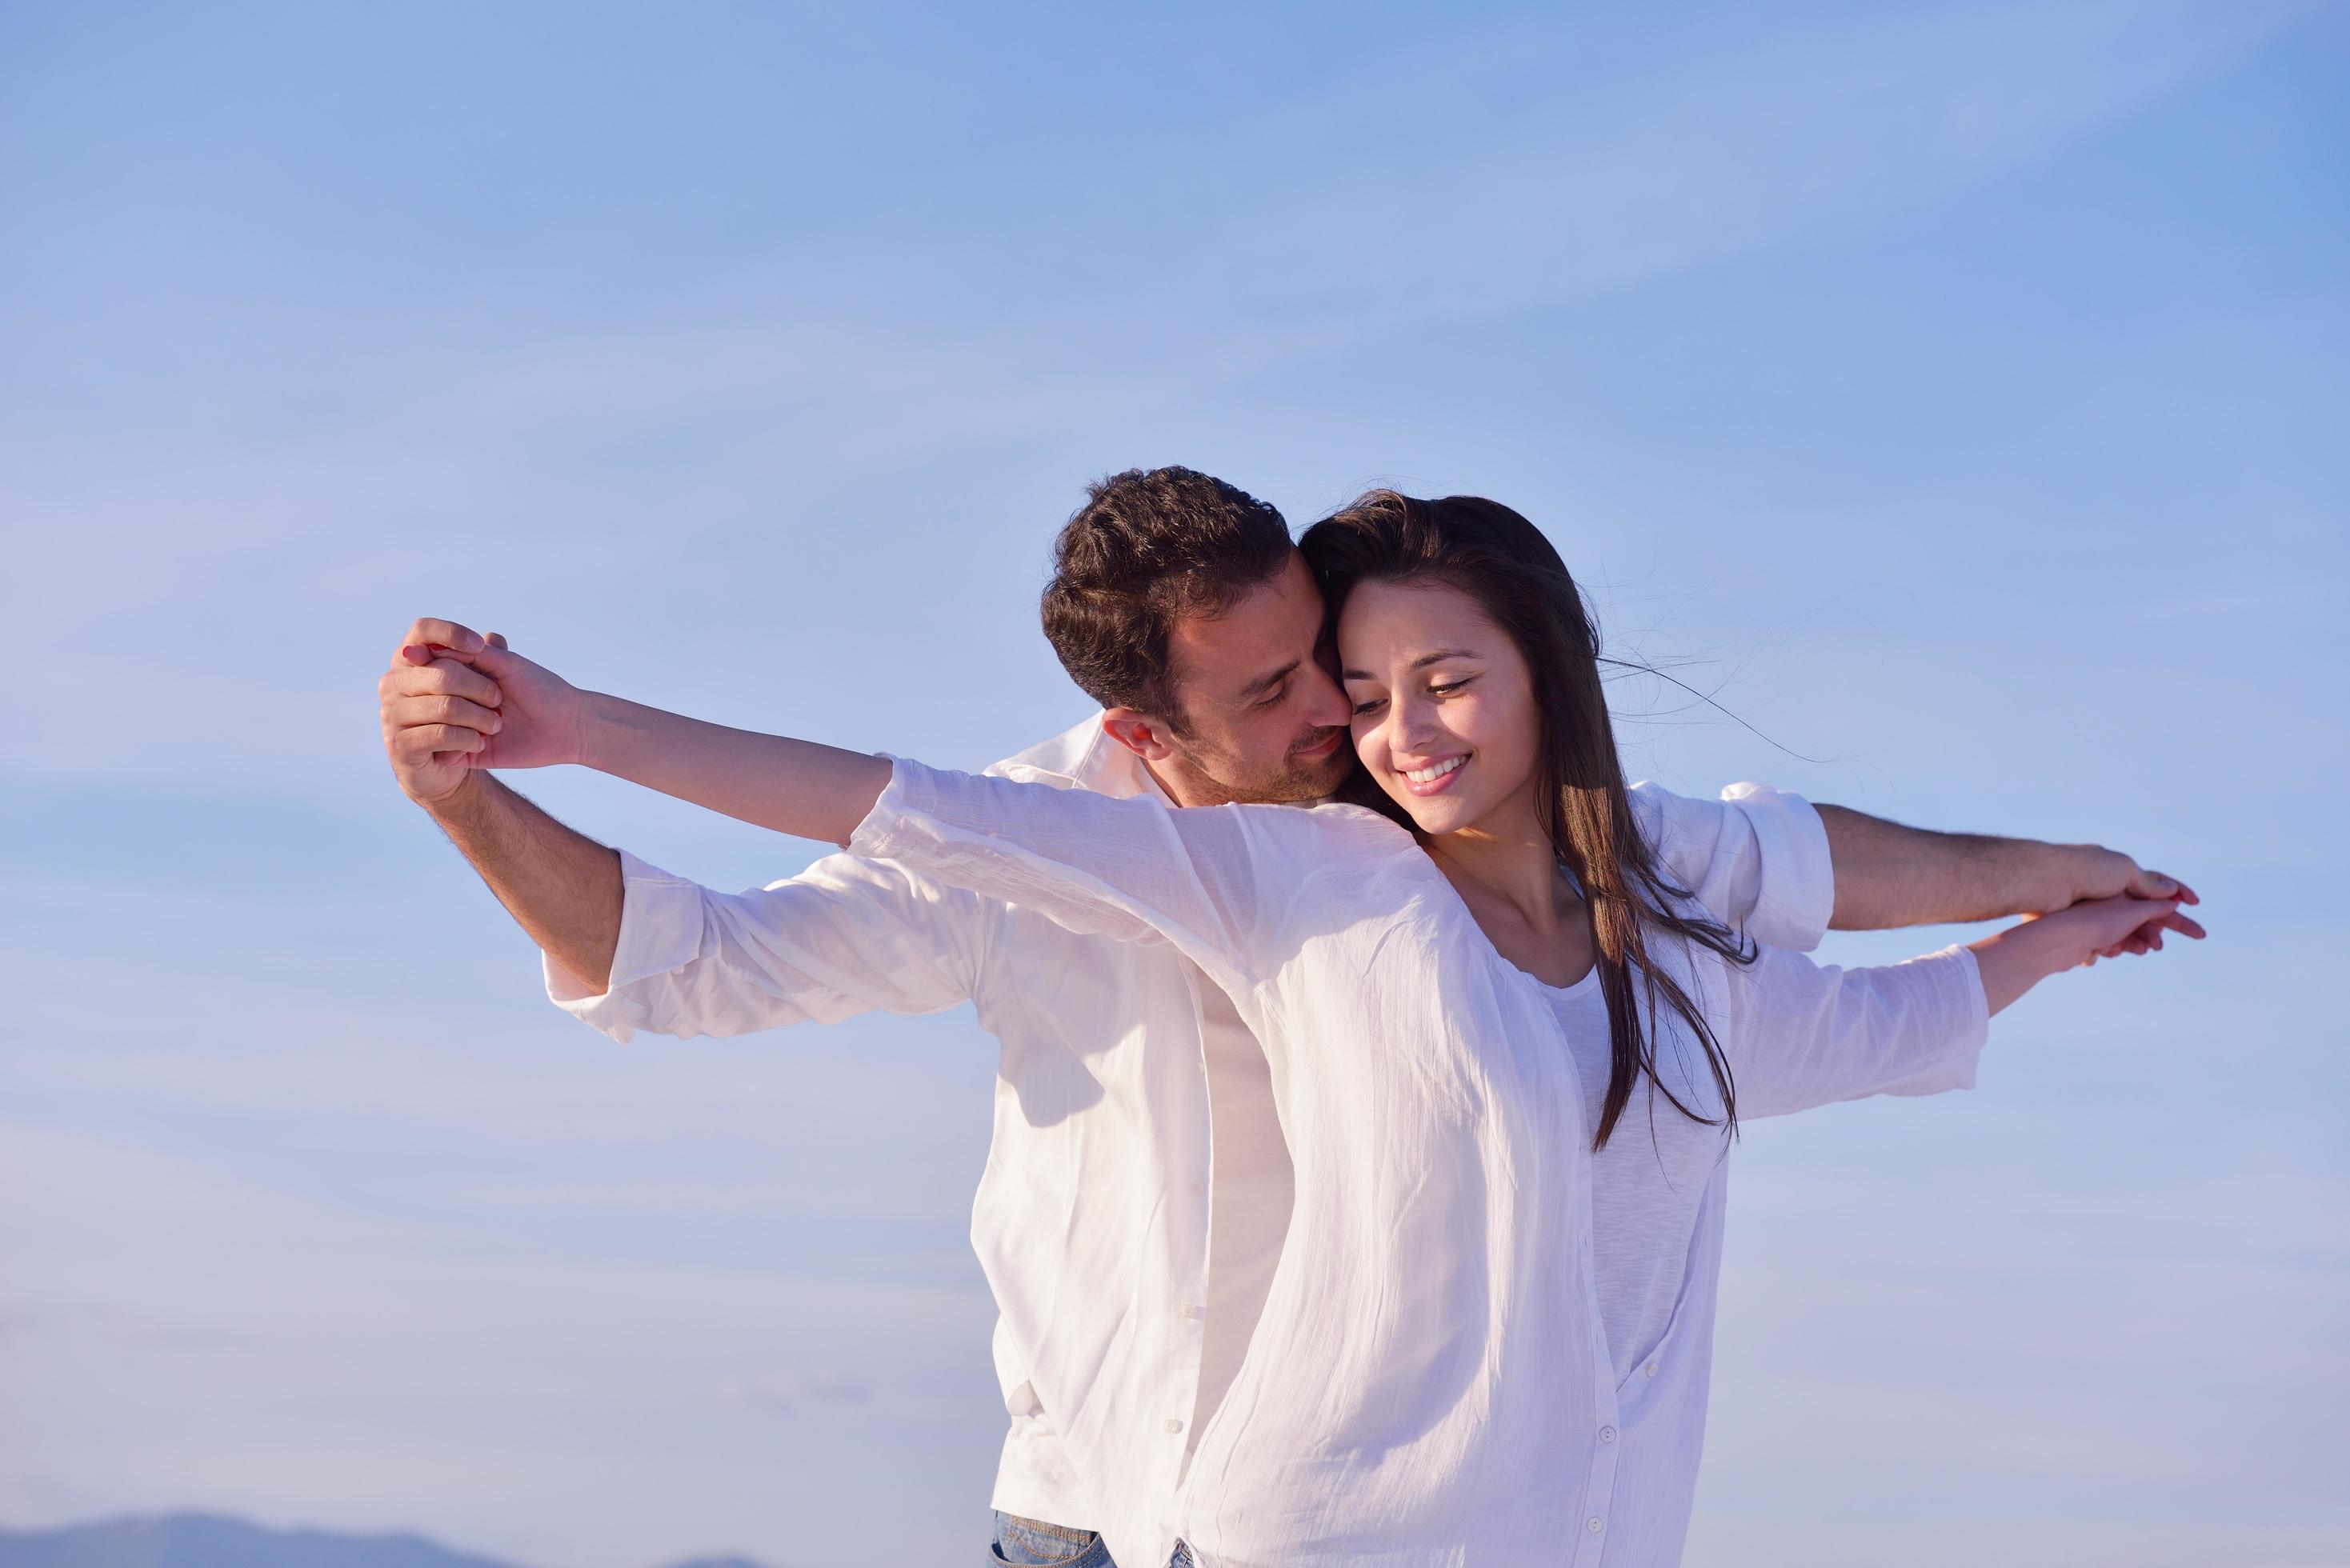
{"x": 1083, "y": 756}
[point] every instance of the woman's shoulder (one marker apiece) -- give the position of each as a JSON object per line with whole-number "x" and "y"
{"x": 1326, "y": 828}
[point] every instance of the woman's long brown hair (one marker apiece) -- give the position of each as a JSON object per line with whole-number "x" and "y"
{"x": 1485, "y": 550}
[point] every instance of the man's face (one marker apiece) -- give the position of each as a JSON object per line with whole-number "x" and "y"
{"x": 1264, "y": 716}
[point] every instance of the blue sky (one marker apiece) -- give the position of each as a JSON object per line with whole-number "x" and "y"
{"x": 1952, "y": 393}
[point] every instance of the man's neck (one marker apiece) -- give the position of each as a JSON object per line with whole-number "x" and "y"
{"x": 1172, "y": 787}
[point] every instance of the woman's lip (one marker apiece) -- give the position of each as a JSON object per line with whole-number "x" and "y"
{"x": 1438, "y": 784}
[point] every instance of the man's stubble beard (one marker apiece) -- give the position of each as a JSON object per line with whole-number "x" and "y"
{"x": 1204, "y": 777}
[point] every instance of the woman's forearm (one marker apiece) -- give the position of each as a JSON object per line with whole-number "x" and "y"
{"x": 2014, "y": 960}
{"x": 797, "y": 787}
{"x": 2011, "y": 962}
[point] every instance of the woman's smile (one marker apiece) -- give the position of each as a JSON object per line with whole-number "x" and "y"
{"x": 1433, "y": 778}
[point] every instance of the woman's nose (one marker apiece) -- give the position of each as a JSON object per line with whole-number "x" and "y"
{"x": 1415, "y": 727}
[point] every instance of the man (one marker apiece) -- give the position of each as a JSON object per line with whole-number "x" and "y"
{"x": 1138, "y": 1190}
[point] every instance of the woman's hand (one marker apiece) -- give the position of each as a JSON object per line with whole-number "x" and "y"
{"x": 454, "y": 700}
{"x": 2015, "y": 960}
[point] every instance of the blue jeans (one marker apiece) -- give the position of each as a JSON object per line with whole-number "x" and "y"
{"x": 1033, "y": 1543}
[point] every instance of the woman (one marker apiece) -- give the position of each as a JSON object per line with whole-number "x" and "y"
{"x": 1487, "y": 1340}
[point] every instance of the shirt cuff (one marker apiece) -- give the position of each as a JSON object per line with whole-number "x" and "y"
{"x": 661, "y": 930}
{"x": 1797, "y": 892}
{"x": 884, "y": 831}
{"x": 1967, "y": 1012}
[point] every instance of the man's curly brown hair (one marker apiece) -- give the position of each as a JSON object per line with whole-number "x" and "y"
{"x": 1147, "y": 547}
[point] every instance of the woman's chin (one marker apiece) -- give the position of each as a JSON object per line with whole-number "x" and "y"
{"x": 1433, "y": 816}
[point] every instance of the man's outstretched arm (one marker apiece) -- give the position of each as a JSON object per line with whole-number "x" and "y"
{"x": 628, "y": 946}
{"x": 560, "y": 886}
{"x": 1889, "y": 875}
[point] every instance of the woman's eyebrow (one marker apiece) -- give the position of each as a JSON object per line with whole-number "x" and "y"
{"x": 1423, "y": 662}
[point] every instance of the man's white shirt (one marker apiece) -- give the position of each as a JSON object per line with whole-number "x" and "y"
{"x": 1137, "y": 1190}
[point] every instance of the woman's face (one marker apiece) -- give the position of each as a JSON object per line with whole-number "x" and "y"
{"x": 1444, "y": 712}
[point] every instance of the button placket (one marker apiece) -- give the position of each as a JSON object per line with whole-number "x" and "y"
{"x": 1599, "y": 1492}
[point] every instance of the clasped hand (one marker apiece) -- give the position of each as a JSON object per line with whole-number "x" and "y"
{"x": 455, "y": 702}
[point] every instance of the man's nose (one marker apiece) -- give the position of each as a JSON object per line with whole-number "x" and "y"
{"x": 1325, "y": 701}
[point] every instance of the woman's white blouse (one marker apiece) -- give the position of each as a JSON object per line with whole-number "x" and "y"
{"x": 1429, "y": 1381}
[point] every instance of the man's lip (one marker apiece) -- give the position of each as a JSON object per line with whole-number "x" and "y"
{"x": 1321, "y": 749}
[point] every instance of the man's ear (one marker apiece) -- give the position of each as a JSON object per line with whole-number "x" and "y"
{"x": 1141, "y": 733}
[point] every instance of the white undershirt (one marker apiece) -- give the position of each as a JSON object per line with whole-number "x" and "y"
{"x": 1646, "y": 1185}
{"x": 1252, "y": 1191}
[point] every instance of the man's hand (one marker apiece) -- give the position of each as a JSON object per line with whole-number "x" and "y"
{"x": 454, "y": 701}
{"x": 2101, "y": 873}
{"x": 1889, "y": 875}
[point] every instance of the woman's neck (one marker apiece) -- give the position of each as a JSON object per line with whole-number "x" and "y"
{"x": 1508, "y": 857}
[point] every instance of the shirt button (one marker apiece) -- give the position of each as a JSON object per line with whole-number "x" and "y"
{"x": 1607, "y": 1434}
{"x": 1189, "y": 1311}
{"x": 1652, "y": 1369}
{"x": 1173, "y": 1426}
{"x": 1594, "y": 1524}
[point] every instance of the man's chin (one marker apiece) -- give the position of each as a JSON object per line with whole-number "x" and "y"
{"x": 1296, "y": 779}
{"x": 1322, "y": 776}
{"x": 1317, "y": 780}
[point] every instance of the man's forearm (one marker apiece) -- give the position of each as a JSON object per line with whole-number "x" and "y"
{"x": 1889, "y": 875}
{"x": 561, "y": 886}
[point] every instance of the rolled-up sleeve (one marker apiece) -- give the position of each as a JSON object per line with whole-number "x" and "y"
{"x": 1757, "y": 858}
{"x": 1805, "y": 1034}
{"x": 848, "y": 935}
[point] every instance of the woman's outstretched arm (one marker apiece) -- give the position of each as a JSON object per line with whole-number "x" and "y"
{"x": 1213, "y": 881}
{"x": 799, "y": 788}
{"x": 1803, "y": 1034}
{"x": 2013, "y": 961}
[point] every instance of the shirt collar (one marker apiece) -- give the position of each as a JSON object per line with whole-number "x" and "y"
{"x": 1083, "y": 757}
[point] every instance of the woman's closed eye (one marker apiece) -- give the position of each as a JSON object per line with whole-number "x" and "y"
{"x": 1446, "y": 689}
